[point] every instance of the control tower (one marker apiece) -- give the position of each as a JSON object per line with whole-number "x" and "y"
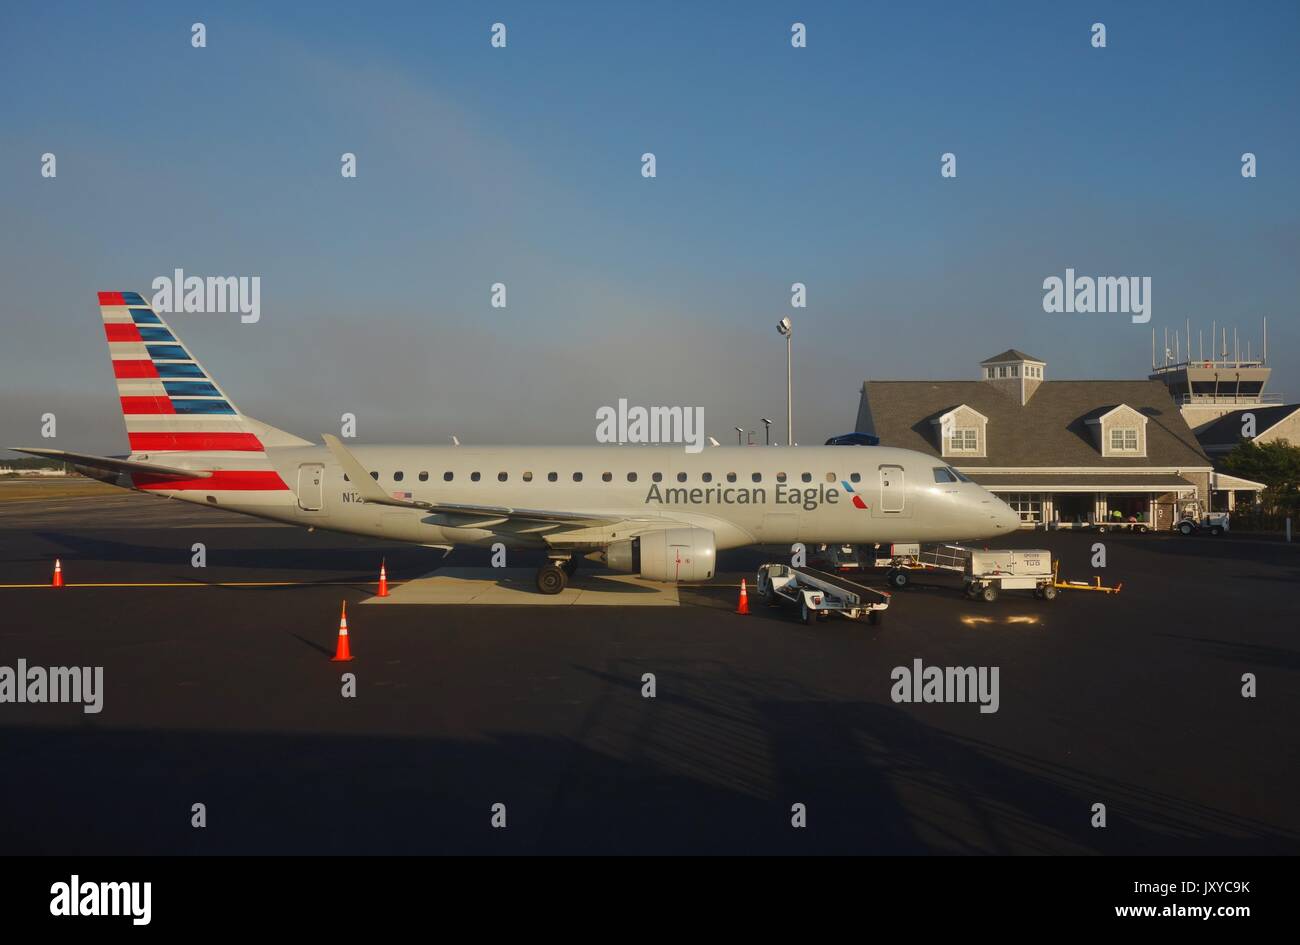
{"x": 1213, "y": 380}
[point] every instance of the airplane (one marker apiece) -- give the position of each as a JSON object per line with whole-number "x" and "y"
{"x": 657, "y": 511}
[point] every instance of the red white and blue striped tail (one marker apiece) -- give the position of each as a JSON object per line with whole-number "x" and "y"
{"x": 175, "y": 412}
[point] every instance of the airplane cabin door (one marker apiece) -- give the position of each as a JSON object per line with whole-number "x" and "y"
{"x": 311, "y": 487}
{"x": 891, "y": 489}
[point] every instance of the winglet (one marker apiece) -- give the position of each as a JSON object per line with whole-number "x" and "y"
{"x": 361, "y": 480}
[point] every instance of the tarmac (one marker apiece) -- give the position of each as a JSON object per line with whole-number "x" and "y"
{"x": 473, "y": 691}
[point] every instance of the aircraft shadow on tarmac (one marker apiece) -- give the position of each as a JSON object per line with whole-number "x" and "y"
{"x": 874, "y": 779}
{"x": 1252, "y": 654}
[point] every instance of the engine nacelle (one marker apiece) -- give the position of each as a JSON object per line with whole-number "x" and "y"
{"x": 669, "y": 554}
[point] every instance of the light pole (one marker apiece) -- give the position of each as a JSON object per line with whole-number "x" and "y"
{"x": 740, "y": 436}
{"x": 767, "y": 430}
{"x": 785, "y": 327}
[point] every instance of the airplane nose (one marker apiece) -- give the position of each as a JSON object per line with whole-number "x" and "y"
{"x": 1006, "y": 518}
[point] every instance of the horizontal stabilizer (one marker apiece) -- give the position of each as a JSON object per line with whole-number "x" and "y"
{"x": 115, "y": 464}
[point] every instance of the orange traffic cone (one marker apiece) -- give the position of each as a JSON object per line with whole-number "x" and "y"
{"x": 743, "y": 606}
{"x": 58, "y": 574}
{"x": 383, "y": 579}
{"x": 343, "y": 652}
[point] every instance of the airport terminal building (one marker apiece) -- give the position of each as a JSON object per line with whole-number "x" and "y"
{"x": 1062, "y": 453}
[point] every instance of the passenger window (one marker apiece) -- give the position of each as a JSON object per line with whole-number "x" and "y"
{"x": 631, "y": 477}
{"x": 424, "y": 476}
{"x": 780, "y": 477}
{"x": 606, "y": 477}
{"x": 474, "y": 477}
{"x": 941, "y": 474}
{"x": 502, "y": 477}
{"x": 757, "y": 477}
{"x": 855, "y": 477}
{"x": 731, "y": 477}
{"x": 658, "y": 477}
{"x": 707, "y": 477}
{"x": 397, "y": 476}
{"x": 448, "y": 476}
{"x": 806, "y": 477}
{"x": 528, "y": 477}
{"x": 681, "y": 477}
{"x": 830, "y": 477}
{"x": 551, "y": 477}
{"x": 577, "y": 477}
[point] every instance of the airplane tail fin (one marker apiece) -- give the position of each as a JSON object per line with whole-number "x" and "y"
{"x": 174, "y": 410}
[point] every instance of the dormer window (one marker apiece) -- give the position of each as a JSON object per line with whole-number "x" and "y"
{"x": 1124, "y": 440}
{"x": 1119, "y": 431}
{"x": 964, "y": 440}
{"x": 961, "y": 431}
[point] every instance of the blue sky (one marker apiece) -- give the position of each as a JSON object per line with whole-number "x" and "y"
{"x": 521, "y": 165}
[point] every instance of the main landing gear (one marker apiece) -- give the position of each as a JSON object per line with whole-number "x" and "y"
{"x": 553, "y": 576}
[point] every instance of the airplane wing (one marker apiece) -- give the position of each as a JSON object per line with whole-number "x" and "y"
{"x": 371, "y": 492}
{"x": 115, "y": 464}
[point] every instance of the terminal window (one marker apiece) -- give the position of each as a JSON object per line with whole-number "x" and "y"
{"x": 1029, "y": 505}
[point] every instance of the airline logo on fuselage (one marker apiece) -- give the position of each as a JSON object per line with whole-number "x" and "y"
{"x": 858, "y": 503}
{"x": 810, "y": 499}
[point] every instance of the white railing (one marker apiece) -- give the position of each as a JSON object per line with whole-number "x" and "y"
{"x": 1212, "y": 399}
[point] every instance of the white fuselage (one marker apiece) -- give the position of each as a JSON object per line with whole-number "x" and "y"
{"x": 744, "y": 495}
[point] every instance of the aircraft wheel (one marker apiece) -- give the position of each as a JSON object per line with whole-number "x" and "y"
{"x": 570, "y": 567}
{"x": 551, "y": 579}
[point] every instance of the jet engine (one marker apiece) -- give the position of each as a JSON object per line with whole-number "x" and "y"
{"x": 669, "y": 554}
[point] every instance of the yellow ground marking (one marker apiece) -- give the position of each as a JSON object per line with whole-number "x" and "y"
{"x": 211, "y": 584}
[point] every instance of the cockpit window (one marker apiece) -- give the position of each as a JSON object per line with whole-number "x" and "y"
{"x": 943, "y": 474}
{"x": 958, "y": 475}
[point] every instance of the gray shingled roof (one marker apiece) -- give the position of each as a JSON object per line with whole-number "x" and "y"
{"x": 1048, "y": 431}
{"x": 1226, "y": 431}
{"x": 1012, "y": 354}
